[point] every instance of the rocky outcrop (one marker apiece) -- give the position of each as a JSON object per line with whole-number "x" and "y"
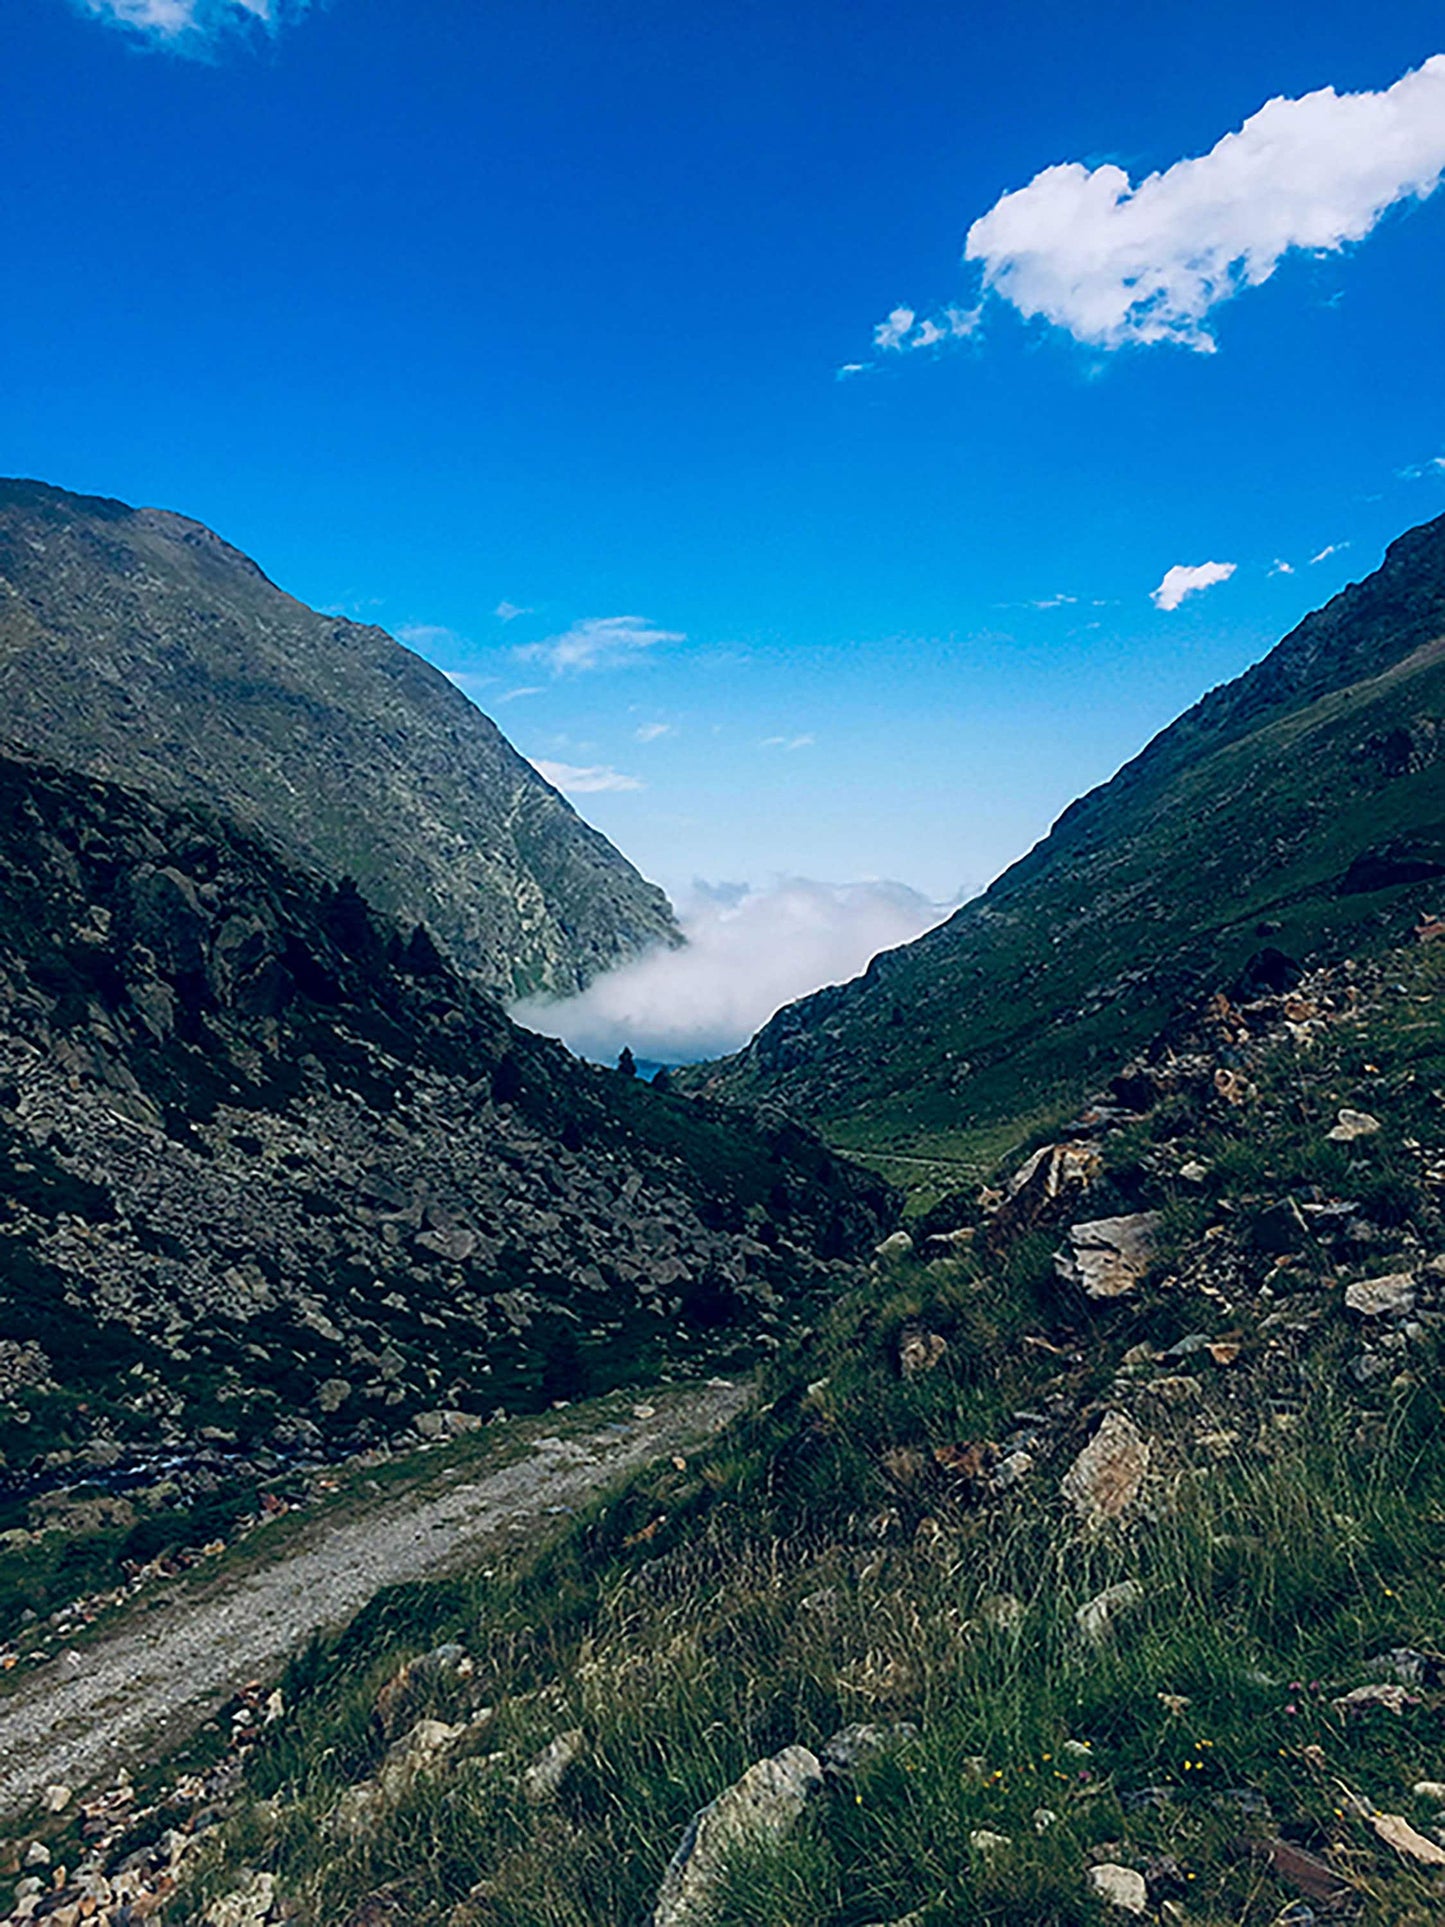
{"x": 137, "y": 645}
{"x": 273, "y": 1175}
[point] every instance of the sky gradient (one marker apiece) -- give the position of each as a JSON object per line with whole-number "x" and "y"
{"x": 567, "y": 342}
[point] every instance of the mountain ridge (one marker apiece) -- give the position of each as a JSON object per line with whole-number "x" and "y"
{"x": 1293, "y": 805}
{"x": 138, "y": 644}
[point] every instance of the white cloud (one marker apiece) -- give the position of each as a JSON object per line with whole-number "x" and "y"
{"x": 1281, "y": 568}
{"x": 652, "y": 732}
{"x": 1115, "y": 263}
{"x": 1332, "y": 548}
{"x": 851, "y": 368}
{"x": 1056, "y": 602}
{"x": 903, "y": 331}
{"x": 429, "y": 638}
{"x": 509, "y": 611}
{"x": 600, "y": 642}
{"x": 748, "y": 952}
{"x": 787, "y": 742}
{"x": 517, "y": 695}
{"x": 1417, "y": 470}
{"x": 190, "y": 25}
{"x": 1188, "y": 579}
{"x": 585, "y": 782}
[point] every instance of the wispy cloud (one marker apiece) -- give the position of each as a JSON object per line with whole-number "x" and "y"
{"x": 509, "y": 611}
{"x": 573, "y": 781}
{"x": 1279, "y": 567}
{"x": 652, "y": 732}
{"x": 600, "y": 642}
{"x": 429, "y": 638}
{"x": 903, "y": 331}
{"x": 1055, "y": 602}
{"x": 1186, "y": 579}
{"x": 192, "y": 26}
{"x": 520, "y": 695}
{"x": 1117, "y": 263}
{"x": 748, "y": 951}
{"x": 787, "y": 742}
{"x": 1332, "y": 548}
{"x": 1418, "y": 470}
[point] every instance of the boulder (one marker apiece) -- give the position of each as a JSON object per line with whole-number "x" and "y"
{"x": 1389, "y": 1297}
{"x": 1120, "y": 1887}
{"x": 1107, "y": 1257}
{"x": 760, "y": 1809}
{"x": 1104, "y": 1480}
{"x": 1047, "y": 1178}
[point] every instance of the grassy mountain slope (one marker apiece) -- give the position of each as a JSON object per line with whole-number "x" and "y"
{"x": 275, "y": 1180}
{"x": 1216, "y": 1668}
{"x": 137, "y": 645}
{"x": 1301, "y": 806}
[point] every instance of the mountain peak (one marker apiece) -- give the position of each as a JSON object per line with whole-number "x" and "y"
{"x": 139, "y": 644}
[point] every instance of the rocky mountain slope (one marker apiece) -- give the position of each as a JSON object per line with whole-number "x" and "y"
{"x": 1301, "y": 807}
{"x": 275, "y": 1179}
{"x": 137, "y": 645}
{"x": 1083, "y": 1565}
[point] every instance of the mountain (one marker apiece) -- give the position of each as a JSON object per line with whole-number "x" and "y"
{"x": 1299, "y": 809}
{"x": 275, "y": 1176}
{"x": 137, "y": 645}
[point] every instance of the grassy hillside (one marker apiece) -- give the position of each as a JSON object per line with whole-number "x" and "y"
{"x": 1301, "y": 808}
{"x": 1211, "y": 1664}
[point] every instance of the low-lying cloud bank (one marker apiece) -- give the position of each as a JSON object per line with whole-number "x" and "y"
{"x": 749, "y": 951}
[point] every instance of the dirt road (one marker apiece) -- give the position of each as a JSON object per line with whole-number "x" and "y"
{"x": 164, "y": 1671}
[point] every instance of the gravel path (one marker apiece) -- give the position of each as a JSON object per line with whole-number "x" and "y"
{"x": 158, "y": 1677}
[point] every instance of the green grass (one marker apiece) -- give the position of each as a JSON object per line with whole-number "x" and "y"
{"x": 824, "y": 1563}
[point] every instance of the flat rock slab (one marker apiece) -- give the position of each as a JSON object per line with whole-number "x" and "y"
{"x": 1107, "y": 1257}
{"x": 161, "y": 1674}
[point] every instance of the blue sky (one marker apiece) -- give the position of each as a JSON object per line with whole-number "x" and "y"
{"x": 449, "y": 309}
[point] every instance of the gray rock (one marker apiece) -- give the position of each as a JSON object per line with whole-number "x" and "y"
{"x": 1095, "y": 1619}
{"x": 1104, "y": 1481}
{"x": 1389, "y": 1297}
{"x": 1107, "y": 1257}
{"x": 760, "y": 1809}
{"x": 853, "y": 1746}
{"x": 1120, "y": 1887}
{"x": 542, "y": 1780}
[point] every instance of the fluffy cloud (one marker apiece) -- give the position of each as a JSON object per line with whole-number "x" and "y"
{"x": 1185, "y": 579}
{"x": 189, "y": 25}
{"x": 586, "y": 782}
{"x": 1115, "y": 263}
{"x": 748, "y": 952}
{"x": 600, "y": 642}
